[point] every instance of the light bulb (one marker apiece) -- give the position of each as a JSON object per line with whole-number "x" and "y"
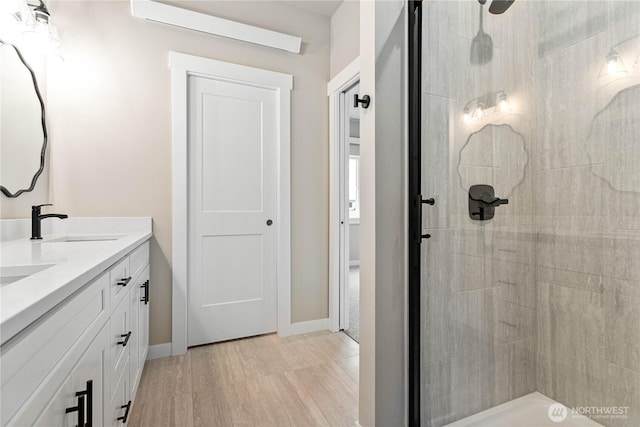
{"x": 502, "y": 103}
{"x": 614, "y": 63}
{"x": 479, "y": 112}
{"x": 466, "y": 115}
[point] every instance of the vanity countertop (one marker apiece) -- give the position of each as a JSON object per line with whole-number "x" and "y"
{"x": 75, "y": 263}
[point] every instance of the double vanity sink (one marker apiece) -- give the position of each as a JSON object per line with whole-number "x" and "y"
{"x": 74, "y": 320}
{"x": 36, "y": 275}
{"x": 13, "y": 273}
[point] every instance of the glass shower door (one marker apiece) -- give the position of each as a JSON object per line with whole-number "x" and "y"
{"x": 530, "y": 280}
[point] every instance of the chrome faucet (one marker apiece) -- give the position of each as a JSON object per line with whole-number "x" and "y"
{"x": 36, "y": 218}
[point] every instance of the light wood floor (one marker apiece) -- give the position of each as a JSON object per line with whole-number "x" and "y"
{"x": 304, "y": 380}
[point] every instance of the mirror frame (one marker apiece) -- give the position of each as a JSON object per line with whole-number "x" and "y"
{"x": 43, "y": 151}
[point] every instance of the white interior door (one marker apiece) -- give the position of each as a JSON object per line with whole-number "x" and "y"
{"x": 232, "y": 208}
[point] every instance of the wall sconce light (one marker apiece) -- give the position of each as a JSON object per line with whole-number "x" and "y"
{"x": 28, "y": 25}
{"x": 41, "y": 27}
{"x": 479, "y": 108}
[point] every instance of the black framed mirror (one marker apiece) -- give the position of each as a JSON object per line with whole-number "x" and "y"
{"x": 23, "y": 130}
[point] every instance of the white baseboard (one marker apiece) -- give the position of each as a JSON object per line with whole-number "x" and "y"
{"x": 159, "y": 350}
{"x": 164, "y": 350}
{"x": 355, "y": 263}
{"x": 310, "y": 326}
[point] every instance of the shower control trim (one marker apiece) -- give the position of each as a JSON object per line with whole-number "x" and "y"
{"x": 483, "y": 202}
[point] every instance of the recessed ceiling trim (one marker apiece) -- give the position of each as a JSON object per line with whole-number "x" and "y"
{"x": 166, "y": 14}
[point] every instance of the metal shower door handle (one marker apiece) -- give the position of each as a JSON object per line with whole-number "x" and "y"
{"x": 419, "y": 202}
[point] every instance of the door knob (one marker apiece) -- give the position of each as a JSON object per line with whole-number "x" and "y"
{"x": 269, "y": 222}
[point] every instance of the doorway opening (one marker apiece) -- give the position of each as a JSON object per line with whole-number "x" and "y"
{"x": 350, "y": 185}
{"x": 344, "y": 201}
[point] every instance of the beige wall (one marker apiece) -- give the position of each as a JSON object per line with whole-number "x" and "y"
{"x": 345, "y": 35}
{"x": 110, "y": 127}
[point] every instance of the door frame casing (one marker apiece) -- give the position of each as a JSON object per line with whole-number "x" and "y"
{"x": 182, "y": 67}
{"x": 340, "y": 83}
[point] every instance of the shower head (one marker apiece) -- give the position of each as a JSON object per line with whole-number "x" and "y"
{"x": 498, "y": 7}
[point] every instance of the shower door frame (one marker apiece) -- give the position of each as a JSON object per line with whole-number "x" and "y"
{"x": 414, "y": 97}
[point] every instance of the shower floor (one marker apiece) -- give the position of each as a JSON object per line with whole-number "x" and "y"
{"x": 526, "y": 411}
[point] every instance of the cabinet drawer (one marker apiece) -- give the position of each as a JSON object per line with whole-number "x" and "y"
{"x": 119, "y": 279}
{"x": 43, "y": 355}
{"x": 120, "y": 341}
{"x": 139, "y": 258}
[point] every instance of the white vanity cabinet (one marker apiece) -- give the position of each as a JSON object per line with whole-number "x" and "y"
{"x": 80, "y": 364}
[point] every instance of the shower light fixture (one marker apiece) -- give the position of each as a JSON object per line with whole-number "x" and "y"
{"x": 614, "y": 64}
{"x": 480, "y": 107}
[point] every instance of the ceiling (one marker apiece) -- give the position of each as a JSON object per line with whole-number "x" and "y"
{"x": 321, "y": 7}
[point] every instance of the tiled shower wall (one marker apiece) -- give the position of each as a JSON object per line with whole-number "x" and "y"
{"x": 587, "y": 210}
{"x": 546, "y": 296}
{"x": 478, "y": 284}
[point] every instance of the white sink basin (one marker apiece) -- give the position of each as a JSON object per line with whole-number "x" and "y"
{"x": 82, "y": 238}
{"x": 13, "y": 273}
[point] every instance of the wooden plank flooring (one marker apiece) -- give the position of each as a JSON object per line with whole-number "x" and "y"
{"x": 300, "y": 381}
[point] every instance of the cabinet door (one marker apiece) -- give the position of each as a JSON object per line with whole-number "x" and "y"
{"x": 119, "y": 341}
{"x": 37, "y": 361}
{"x": 54, "y": 413}
{"x": 89, "y": 379}
{"x": 120, "y": 403}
